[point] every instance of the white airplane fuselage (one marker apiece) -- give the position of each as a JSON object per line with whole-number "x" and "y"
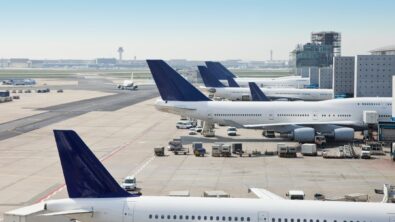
{"x": 237, "y": 93}
{"x": 197, "y": 209}
{"x": 250, "y": 113}
{"x": 272, "y": 82}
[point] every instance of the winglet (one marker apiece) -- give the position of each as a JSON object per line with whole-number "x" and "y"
{"x": 208, "y": 78}
{"x": 232, "y": 82}
{"x": 256, "y": 93}
{"x": 85, "y": 175}
{"x": 264, "y": 194}
{"x": 171, "y": 85}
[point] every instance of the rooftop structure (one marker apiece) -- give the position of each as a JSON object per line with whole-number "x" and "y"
{"x": 328, "y": 38}
{"x": 386, "y": 50}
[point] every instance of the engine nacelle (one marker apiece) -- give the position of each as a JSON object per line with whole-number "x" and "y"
{"x": 212, "y": 90}
{"x": 343, "y": 134}
{"x": 304, "y": 134}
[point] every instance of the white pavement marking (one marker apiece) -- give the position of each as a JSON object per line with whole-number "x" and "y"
{"x": 144, "y": 165}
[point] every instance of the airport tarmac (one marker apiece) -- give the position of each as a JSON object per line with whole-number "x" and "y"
{"x": 30, "y": 103}
{"x": 35, "y": 110}
{"x": 124, "y": 139}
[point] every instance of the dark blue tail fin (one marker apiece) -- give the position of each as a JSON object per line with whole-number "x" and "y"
{"x": 219, "y": 70}
{"x": 232, "y": 82}
{"x": 171, "y": 85}
{"x": 256, "y": 93}
{"x": 208, "y": 78}
{"x": 84, "y": 174}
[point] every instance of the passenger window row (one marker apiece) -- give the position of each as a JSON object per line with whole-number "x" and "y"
{"x": 371, "y": 104}
{"x": 238, "y": 114}
{"x": 205, "y": 218}
{"x": 289, "y": 114}
{"x": 309, "y": 220}
{"x": 385, "y": 115}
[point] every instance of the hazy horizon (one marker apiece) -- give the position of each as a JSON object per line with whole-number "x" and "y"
{"x": 193, "y": 30}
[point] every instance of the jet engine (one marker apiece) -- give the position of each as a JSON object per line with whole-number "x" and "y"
{"x": 212, "y": 90}
{"x": 305, "y": 134}
{"x": 343, "y": 134}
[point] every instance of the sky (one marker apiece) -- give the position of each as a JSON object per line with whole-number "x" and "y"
{"x": 188, "y": 29}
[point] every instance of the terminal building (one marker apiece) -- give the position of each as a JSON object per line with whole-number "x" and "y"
{"x": 365, "y": 75}
{"x": 325, "y": 77}
{"x": 373, "y": 75}
{"x": 303, "y": 72}
{"x": 314, "y": 76}
{"x": 343, "y": 76}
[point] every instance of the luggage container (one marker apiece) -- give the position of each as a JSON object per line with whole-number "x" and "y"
{"x": 237, "y": 148}
{"x": 309, "y": 149}
{"x": 159, "y": 151}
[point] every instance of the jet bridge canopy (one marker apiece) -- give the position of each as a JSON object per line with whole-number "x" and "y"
{"x": 386, "y": 131}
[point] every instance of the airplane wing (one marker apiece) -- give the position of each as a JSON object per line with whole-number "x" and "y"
{"x": 342, "y": 123}
{"x": 69, "y": 212}
{"x": 145, "y": 84}
{"x": 183, "y": 108}
{"x": 264, "y": 194}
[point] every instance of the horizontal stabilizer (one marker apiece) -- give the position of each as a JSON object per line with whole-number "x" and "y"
{"x": 264, "y": 194}
{"x": 69, "y": 212}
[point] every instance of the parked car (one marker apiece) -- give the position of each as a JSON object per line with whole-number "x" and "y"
{"x": 129, "y": 183}
{"x": 232, "y": 131}
{"x": 184, "y": 124}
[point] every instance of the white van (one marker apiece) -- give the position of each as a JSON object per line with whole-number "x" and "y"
{"x": 184, "y": 124}
{"x": 129, "y": 183}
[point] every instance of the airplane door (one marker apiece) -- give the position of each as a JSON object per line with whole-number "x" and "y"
{"x": 263, "y": 216}
{"x": 128, "y": 211}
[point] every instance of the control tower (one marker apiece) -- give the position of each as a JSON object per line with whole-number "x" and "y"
{"x": 120, "y": 52}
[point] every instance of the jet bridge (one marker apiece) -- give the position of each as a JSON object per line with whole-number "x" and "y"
{"x": 386, "y": 131}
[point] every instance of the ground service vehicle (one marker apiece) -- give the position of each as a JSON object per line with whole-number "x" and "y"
{"x": 129, "y": 183}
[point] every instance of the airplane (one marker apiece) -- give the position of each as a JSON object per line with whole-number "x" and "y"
{"x": 19, "y": 82}
{"x": 128, "y": 84}
{"x": 284, "y": 82}
{"x": 95, "y": 196}
{"x": 243, "y": 93}
{"x": 336, "y": 119}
